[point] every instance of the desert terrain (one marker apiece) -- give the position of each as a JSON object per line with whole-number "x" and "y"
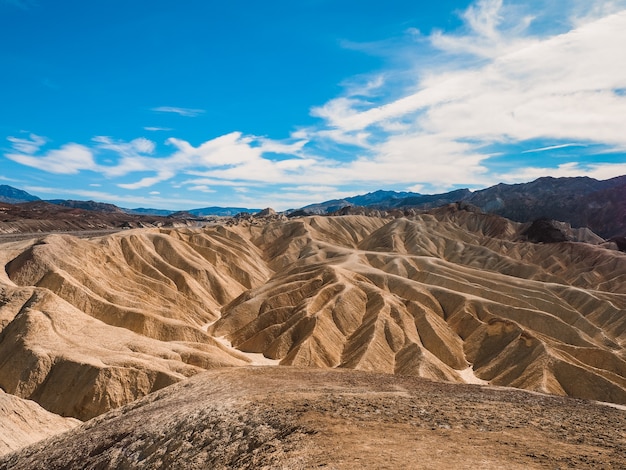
{"x": 283, "y": 417}
{"x": 446, "y": 337}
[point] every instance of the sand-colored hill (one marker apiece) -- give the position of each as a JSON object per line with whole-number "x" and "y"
{"x": 435, "y": 295}
{"x": 23, "y": 422}
{"x": 113, "y": 319}
{"x": 452, "y": 295}
{"x": 75, "y": 365}
{"x": 249, "y": 418}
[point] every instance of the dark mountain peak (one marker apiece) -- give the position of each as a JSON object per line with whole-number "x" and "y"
{"x": 12, "y": 195}
{"x": 378, "y": 196}
{"x": 544, "y": 230}
{"x": 581, "y": 201}
{"x": 378, "y": 199}
{"x": 430, "y": 201}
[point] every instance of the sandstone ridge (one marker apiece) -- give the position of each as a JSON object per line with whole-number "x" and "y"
{"x": 452, "y": 295}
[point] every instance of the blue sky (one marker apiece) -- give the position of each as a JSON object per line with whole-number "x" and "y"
{"x": 282, "y": 103}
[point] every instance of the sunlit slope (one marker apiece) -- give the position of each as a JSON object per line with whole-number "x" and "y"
{"x": 89, "y": 325}
{"x": 435, "y": 295}
{"x": 453, "y": 295}
{"x": 23, "y": 422}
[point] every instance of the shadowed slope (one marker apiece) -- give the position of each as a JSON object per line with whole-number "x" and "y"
{"x": 75, "y": 365}
{"x": 156, "y": 283}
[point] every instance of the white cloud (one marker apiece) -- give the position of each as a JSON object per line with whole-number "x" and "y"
{"x": 559, "y": 88}
{"x": 273, "y": 146}
{"x": 213, "y": 182}
{"x": 501, "y": 84}
{"x": 541, "y": 75}
{"x": 131, "y": 149}
{"x": 559, "y": 80}
{"x": 148, "y": 181}
{"x": 230, "y": 149}
{"x": 157, "y": 129}
{"x": 69, "y": 159}
{"x": 202, "y": 189}
{"x": 416, "y": 188}
{"x": 312, "y": 188}
{"x": 134, "y": 155}
{"x": 186, "y": 112}
{"x": 4, "y": 178}
{"x": 30, "y": 145}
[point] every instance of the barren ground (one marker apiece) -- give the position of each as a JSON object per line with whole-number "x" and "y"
{"x": 268, "y": 417}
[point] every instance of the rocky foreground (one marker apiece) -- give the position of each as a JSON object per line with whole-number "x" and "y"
{"x": 303, "y": 418}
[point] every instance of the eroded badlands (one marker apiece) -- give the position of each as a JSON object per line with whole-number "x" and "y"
{"x": 89, "y": 325}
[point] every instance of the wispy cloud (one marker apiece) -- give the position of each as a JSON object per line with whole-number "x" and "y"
{"x": 501, "y": 84}
{"x": 430, "y": 121}
{"x": 186, "y": 112}
{"x": 4, "y": 178}
{"x": 68, "y": 160}
{"x": 157, "y": 129}
{"x": 123, "y": 200}
{"x": 29, "y": 145}
{"x": 202, "y": 189}
{"x": 553, "y": 147}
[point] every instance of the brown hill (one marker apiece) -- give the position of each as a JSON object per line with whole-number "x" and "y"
{"x": 40, "y": 216}
{"x": 112, "y": 319}
{"x": 434, "y": 296}
{"x": 88, "y": 325}
{"x": 23, "y": 422}
{"x": 251, "y": 418}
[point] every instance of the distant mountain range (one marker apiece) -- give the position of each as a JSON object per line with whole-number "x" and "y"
{"x": 579, "y": 201}
{"x": 88, "y": 205}
{"x": 12, "y": 195}
{"x": 202, "y": 212}
{"x": 377, "y": 198}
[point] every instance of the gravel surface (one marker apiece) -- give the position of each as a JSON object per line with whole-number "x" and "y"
{"x": 268, "y": 417}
